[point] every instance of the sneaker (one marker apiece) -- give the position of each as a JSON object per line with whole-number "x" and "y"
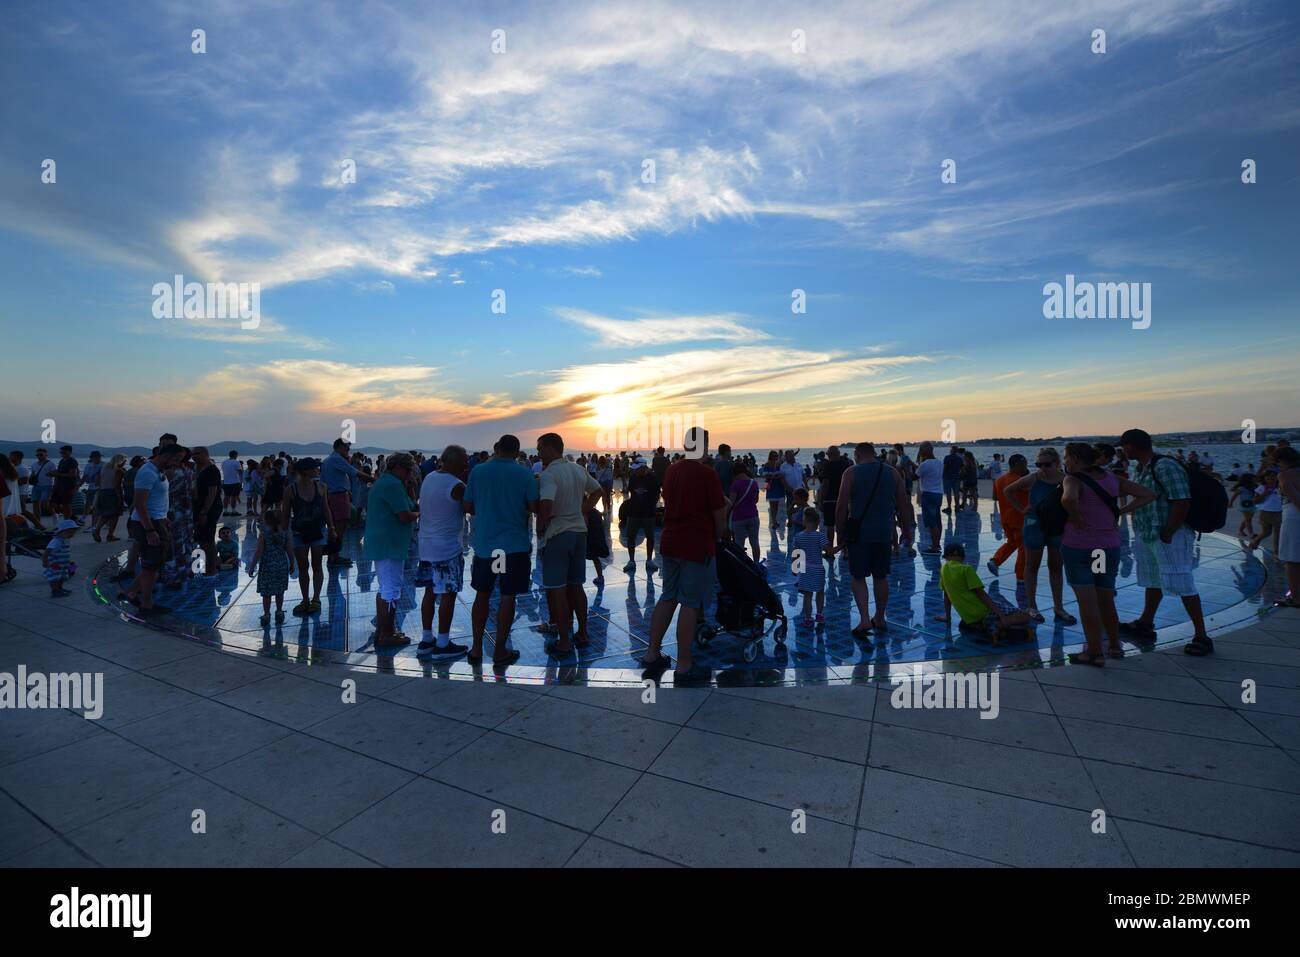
{"x": 450, "y": 650}
{"x": 302, "y": 608}
{"x": 315, "y": 607}
{"x": 279, "y": 617}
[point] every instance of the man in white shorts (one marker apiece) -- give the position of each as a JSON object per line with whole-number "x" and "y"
{"x": 1163, "y": 545}
{"x": 442, "y": 551}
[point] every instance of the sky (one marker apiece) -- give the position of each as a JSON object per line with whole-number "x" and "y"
{"x": 798, "y": 153}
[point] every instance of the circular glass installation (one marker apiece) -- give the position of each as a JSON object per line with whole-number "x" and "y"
{"x": 225, "y": 611}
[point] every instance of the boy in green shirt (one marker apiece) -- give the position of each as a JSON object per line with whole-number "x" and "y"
{"x": 963, "y": 590}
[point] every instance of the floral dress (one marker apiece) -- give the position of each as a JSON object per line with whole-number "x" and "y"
{"x": 180, "y": 506}
{"x": 273, "y": 567}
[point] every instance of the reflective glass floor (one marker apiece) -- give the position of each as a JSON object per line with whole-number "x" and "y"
{"x": 224, "y": 611}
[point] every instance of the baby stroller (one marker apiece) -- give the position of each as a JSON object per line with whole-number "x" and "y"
{"x": 25, "y": 542}
{"x": 745, "y": 603}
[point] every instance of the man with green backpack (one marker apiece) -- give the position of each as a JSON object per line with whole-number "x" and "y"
{"x": 1165, "y": 539}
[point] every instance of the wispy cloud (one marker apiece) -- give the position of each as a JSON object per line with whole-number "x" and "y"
{"x": 661, "y": 330}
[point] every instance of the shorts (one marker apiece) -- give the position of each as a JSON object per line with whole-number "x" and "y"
{"x": 689, "y": 583}
{"x": 206, "y": 533}
{"x": 745, "y": 529}
{"x": 230, "y": 490}
{"x": 1078, "y": 567}
{"x": 1035, "y": 539}
{"x": 108, "y": 503}
{"x": 1166, "y": 567}
{"x": 828, "y": 514}
{"x": 318, "y": 543}
{"x": 391, "y": 575}
{"x": 513, "y": 581}
{"x": 41, "y": 493}
{"x": 870, "y": 559}
{"x": 775, "y": 493}
{"x": 640, "y": 523}
{"x": 61, "y": 494}
{"x": 442, "y": 578}
{"x": 151, "y": 556}
{"x": 951, "y": 486}
{"x": 564, "y": 561}
{"x": 1269, "y": 521}
{"x": 930, "y": 504}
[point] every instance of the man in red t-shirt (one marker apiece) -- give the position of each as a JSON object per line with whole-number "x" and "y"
{"x": 693, "y": 522}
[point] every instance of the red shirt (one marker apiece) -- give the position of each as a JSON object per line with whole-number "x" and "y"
{"x": 692, "y": 492}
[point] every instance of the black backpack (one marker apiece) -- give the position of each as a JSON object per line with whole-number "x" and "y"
{"x": 1209, "y": 503}
{"x": 1051, "y": 513}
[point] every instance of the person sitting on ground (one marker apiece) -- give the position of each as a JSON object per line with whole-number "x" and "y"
{"x": 227, "y": 550}
{"x": 978, "y": 613}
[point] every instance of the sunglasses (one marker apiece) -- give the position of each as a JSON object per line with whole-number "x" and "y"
{"x": 1044, "y": 465}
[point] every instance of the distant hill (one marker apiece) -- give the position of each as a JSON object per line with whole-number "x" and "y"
{"x": 1163, "y": 439}
{"x": 219, "y": 450}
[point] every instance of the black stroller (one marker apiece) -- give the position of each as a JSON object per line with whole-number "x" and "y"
{"x": 745, "y": 603}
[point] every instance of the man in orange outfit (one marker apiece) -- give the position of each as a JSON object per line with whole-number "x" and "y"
{"x": 1013, "y": 519}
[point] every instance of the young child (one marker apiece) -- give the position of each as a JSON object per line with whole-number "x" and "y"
{"x": 797, "y": 507}
{"x": 227, "y": 549}
{"x": 979, "y": 614}
{"x": 813, "y": 545}
{"x": 57, "y": 559}
{"x": 273, "y": 562}
{"x": 1268, "y": 501}
{"x": 252, "y": 487}
{"x": 1245, "y": 492}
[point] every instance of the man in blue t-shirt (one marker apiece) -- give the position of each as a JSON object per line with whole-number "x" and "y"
{"x": 149, "y": 527}
{"x": 501, "y": 494}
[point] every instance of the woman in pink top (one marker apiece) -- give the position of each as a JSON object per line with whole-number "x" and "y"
{"x": 742, "y": 500}
{"x": 1090, "y": 544}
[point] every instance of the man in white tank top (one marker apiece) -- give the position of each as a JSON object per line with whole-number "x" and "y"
{"x": 442, "y": 550}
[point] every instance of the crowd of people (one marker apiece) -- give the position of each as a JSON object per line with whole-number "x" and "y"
{"x": 862, "y": 508}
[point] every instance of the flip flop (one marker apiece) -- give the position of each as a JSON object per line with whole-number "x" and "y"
{"x": 1199, "y": 648}
{"x": 1066, "y": 617}
{"x": 509, "y": 658}
{"x": 1084, "y": 658}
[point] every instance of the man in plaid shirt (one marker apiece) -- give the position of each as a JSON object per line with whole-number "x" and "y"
{"x": 1163, "y": 545}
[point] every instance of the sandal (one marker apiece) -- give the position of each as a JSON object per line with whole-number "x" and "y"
{"x": 1115, "y": 653}
{"x": 1066, "y": 617}
{"x": 1137, "y": 628}
{"x": 1199, "y": 647}
{"x": 552, "y": 648}
{"x": 1084, "y": 658}
{"x": 509, "y": 658}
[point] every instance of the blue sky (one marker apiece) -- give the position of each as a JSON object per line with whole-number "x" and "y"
{"x": 521, "y": 171}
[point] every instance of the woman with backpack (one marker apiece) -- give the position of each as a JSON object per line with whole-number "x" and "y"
{"x": 1043, "y": 486}
{"x": 1090, "y": 545}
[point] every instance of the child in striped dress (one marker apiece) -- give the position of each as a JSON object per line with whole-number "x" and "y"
{"x": 57, "y": 560}
{"x": 806, "y": 554}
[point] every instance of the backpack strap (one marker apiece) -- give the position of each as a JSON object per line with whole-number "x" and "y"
{"x": 1110, "y": 501}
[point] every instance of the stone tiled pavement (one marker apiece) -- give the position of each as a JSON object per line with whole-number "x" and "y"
{"x": 412, "y": 773}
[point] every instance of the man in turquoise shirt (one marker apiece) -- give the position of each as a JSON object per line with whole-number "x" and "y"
{"x": 390, "y": 520}
{"x": 501, "y": 494}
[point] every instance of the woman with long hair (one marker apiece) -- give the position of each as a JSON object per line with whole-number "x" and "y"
{"x": 311, "y": 527}
{"x": 1090, "y": 545}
